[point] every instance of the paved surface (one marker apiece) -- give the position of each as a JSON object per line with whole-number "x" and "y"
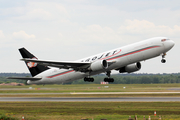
{"x": 90, "y": 93}
{"x": 124, "y": 93}
{"x": 83, "y": 99}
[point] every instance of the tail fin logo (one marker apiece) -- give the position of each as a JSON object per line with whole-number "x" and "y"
{"x": 32, "y": 64}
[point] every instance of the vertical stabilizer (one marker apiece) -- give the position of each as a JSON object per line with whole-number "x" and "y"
{"x": 34, "y": 68}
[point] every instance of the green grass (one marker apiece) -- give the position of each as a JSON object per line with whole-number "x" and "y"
{"x": 92, "y": 95}
{"x": 91, "y": 88}
{"x": 5, "y": 91}
{"x": 96, "y": 110}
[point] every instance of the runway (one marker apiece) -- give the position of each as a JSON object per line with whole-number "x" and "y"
{"x": 88, "y": 93}
{"x": 91, "y": 99}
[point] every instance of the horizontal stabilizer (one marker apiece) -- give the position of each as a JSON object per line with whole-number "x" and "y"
{"x": 25, "y": 78}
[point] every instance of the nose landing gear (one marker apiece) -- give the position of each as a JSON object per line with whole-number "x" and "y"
{"x": 163, "y": 56}
{"x": 163, "y": 61}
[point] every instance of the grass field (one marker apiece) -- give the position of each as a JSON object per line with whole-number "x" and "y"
{"x": 90, "y": 88}
{"x": 5, "y": 91}
{"x": 95, "y": 110}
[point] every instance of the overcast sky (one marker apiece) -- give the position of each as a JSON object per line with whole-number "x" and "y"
{"x": 73, "y": 29}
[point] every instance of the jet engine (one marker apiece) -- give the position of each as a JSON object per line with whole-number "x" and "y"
{"x": 99, "y": 65}
{"x": 131, "y": 68}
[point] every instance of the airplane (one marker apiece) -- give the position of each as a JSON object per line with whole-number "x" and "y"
{"x": 125, "y": 59}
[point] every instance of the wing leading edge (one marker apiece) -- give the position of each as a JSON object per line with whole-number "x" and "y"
{"x": 77, "y": 66}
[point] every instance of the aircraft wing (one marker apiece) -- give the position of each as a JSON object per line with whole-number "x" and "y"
{"x": 25, "y": 78}
{"x": 77, "y": 66}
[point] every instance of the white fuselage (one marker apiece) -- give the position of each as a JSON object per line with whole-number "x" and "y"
{"x": 121, "y": 57}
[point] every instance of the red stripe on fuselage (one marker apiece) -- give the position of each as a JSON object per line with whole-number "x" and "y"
{"x": 60, "y": 74}
{"x": 132, "y": 52}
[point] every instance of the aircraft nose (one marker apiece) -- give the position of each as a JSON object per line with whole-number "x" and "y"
{"x": 169, "y": 44}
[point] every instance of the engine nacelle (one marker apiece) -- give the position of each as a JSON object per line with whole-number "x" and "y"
{"x": 131, "y": 68}
{"x": 99, "y": 65}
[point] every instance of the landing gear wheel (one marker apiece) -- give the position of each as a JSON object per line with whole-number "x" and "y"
{"x": 88, "y": 79}
{"x": 163, "y": 60}
{"x": 112, "y": 80}
{"x": 108, "y": 80}
{"x": 85, "y": 79}
{"x": 105, "y": 79}
{"x": 91, "y": 80}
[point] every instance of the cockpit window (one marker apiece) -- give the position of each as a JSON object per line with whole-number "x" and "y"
{"x": 163, "y": 40}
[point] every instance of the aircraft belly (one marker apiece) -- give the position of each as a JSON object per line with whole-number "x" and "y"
{"x": 66, "y": 78}
{"x": 74, "y": 76}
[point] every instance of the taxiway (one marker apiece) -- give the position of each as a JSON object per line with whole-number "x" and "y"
{"x": 92, "y": 99}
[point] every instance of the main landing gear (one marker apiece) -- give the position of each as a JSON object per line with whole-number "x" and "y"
{"x": 108, "y": 79}
{"x": 88, "y": 79}
{"x": 163, "y": 56}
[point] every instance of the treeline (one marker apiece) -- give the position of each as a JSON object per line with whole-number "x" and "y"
{"x": 137, "y": 79}
{"x": 118, "y": 78}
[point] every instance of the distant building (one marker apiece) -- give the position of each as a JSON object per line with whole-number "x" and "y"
{"x": 104, "y": 82}
{"x": 13, "y": 84}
